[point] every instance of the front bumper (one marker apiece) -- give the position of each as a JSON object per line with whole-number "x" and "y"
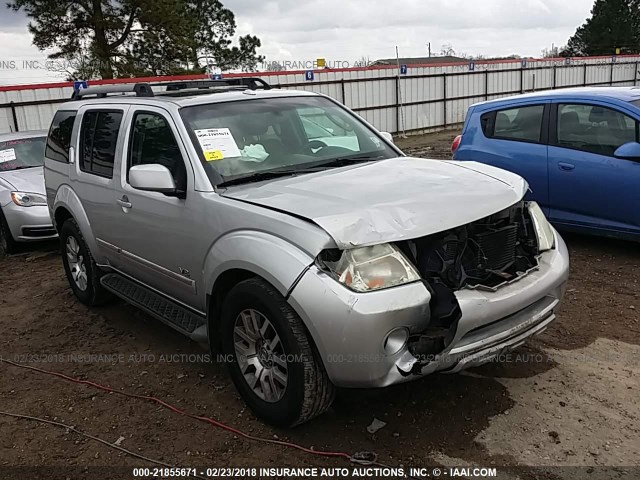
{"x": 28, "y": 224}
{"x": 350, "y": 328}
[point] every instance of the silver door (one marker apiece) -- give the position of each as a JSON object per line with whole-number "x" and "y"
{"x": 155, "y": 231}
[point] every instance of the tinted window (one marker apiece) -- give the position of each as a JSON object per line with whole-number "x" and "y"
{"x": 152, "y": 141}
{"x": 594, "y": 129}
{"x": 59, "y": 138}
{"x": 21, "y": 153}
{"x": 524, "y": 124}
{"x": 98, "y": 138}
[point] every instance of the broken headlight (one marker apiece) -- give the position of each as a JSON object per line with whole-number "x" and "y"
{"x": 544, "y": 232}
{"x": 369, "y": 268}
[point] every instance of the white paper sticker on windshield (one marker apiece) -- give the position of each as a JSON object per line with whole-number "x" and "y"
{"x": 7, "y": 155}
{"x": 217, "y": 143}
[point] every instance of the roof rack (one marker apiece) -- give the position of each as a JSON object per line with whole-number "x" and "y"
{"x": 187, "y": 87}
{"x": 102, "y": 91}
{"x": 252, "y": 83}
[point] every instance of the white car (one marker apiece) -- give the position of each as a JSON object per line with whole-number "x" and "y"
{"x": 24, "y": 216}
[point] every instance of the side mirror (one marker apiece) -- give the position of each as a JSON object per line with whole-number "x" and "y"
{"x": 387, "y": 136}
{"x": 152, "y": 178}
{"x": 628, "y": 151}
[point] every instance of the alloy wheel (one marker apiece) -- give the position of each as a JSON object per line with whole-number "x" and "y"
{"x": 260, "y": 355}
{"x": 77, "y": 265}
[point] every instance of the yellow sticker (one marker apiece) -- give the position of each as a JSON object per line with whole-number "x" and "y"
{"x": 212, "y": 155}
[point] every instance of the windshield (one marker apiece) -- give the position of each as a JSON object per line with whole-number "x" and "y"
{"x": 240, "y": 140}
{"x": 21, "y": 153}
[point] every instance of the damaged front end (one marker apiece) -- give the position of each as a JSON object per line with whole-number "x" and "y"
{"x": 485, "y": 254}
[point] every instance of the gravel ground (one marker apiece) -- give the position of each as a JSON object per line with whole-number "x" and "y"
{"x": 568, "y": 398}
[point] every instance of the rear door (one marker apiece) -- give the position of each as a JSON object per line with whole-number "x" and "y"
{"x": 513, "y": 138}
{"x": 588, "y": 186}
{"x": 98, "y": 143}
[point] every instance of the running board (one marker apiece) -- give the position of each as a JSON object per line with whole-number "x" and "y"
{"x": 186, "y": 322}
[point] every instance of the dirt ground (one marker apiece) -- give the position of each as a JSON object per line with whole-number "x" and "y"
{"x": 568, "y": 398}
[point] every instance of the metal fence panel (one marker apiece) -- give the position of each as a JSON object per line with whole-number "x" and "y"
{"x": 426, "y": 97}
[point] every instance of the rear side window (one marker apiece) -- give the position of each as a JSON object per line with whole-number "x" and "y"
{"x": 98, "y": 139}
{"x": 520, "y": 124}
{"x": 59, "y": 138}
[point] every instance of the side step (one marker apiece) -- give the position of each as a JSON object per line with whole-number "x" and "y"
{"x": 165, "y": 310}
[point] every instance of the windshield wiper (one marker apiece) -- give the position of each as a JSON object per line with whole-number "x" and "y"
{"x": 314, "y": 167}
{"x": 343, "y": 162}
{"x": 259, "y": 176}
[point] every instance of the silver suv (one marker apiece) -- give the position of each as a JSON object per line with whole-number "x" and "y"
{"x": 286, "y": 232}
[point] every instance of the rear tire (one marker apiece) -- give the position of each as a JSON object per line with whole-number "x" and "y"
{"x": 82, "y": 272}
{"x": 7, "y": 243}
{"x": 293, "y": 388}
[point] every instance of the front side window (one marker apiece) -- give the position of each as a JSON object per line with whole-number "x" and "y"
{"x": 21, "y": 153}
{"x": 520, "y": 124}
{"x": 153, "y": 142}
{"x": 237, "y": 140}
{"x": 593, "y": 128}
{"x": 59, "y": 138}
{"x": 98, "y": 139}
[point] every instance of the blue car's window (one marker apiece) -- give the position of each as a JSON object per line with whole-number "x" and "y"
{"x": 593, "y": 128}
{"x": 520, "y": 124}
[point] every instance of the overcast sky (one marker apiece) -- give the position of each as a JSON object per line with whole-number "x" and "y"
{"x": 346, "y": 30}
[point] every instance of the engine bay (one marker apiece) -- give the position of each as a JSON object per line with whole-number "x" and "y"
{"x": 484, "y": 254}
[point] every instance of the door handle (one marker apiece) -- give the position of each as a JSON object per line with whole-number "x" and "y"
{"x": 566, "y": 166}
{"x": 124, "y": 202}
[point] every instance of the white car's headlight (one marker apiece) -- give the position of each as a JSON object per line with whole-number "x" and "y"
{"x": 25, "y": 199}
{"x": 369, "y": 268}
{"x": 544, "y": 232}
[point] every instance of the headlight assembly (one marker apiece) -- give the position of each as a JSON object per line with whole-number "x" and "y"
{"x": 24, "y": 199}
{"x": 366, "y": 269}
{"x": 544, "y": 232}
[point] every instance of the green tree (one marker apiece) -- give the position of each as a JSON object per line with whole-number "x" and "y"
{"x": 123, "y": 38}
{"x": 613, "y": 24}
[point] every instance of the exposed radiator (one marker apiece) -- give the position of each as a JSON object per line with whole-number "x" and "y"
{"x": 496, "y": 249}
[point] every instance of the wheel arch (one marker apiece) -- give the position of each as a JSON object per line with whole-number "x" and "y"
{"x": 67, "y": 205}
{"x": 241, "y": 255}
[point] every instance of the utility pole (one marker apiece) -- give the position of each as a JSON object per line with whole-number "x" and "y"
{"x": 399, "y": 96}
{"x": 429, "y": 47}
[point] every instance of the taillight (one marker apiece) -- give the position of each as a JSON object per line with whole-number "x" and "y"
{"x": 456, "y": 144}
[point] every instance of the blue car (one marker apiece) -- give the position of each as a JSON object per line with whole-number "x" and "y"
{"x": 577, "y": 148}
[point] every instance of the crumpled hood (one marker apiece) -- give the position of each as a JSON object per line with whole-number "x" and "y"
{"x": 28, "y": 180}
{"x": 389, "y": 200}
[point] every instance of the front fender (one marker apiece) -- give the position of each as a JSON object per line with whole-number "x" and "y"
{"x": 271, "y": 257}
{"x": 67, "y": 199}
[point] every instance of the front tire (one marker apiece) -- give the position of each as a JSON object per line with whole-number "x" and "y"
{"x": 7, "y": 243}
{"x": 275, "y": 365}
{"x": 82, "y": 272}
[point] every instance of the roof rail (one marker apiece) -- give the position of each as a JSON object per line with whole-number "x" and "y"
{"x": 187, "y": 87}
{"x": 252, "y": 83}
{"x": 140, "y": 89}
